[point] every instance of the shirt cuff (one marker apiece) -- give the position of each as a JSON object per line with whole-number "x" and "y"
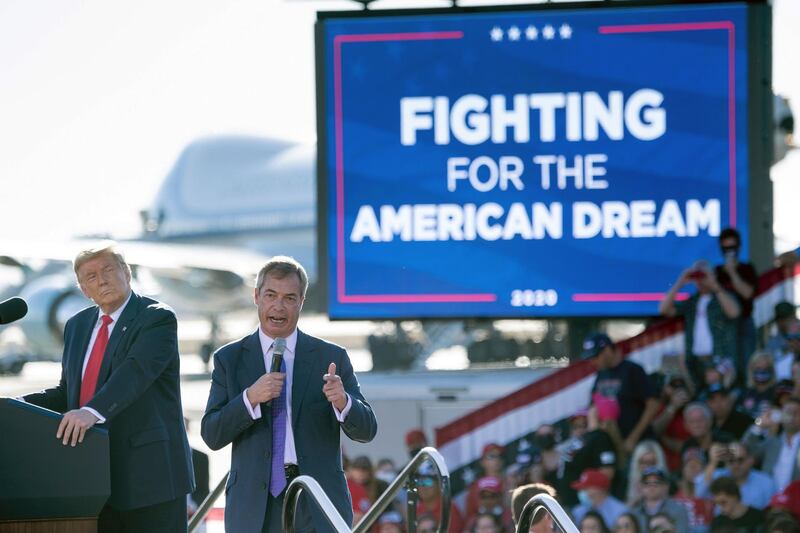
{"x": 254, "y": 412}
{"x": 100, "y": 418}
{"x": 341, "y": 416}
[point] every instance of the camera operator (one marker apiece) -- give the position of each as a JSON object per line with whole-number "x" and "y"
{"x": 710, "y": 315}
{"x": 736, "y": 461}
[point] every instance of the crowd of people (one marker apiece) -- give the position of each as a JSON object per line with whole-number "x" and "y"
{"x": 712, "y": 445}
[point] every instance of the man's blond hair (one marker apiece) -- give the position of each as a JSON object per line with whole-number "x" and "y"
{"x": 105, "y": 248}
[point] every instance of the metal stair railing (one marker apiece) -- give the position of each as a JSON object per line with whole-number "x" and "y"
{"x": 308, "y": 483}
{"x": 205, "y": 507}
{"x": 551, "y": 506}
{"x": 405, "y": 479}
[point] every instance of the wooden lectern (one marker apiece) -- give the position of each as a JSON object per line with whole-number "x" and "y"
{"x": 46, "y": 487}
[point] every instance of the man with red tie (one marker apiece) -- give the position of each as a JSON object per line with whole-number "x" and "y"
{"x": 120, "y": 369}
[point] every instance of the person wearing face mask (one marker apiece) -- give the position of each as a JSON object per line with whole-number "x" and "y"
{"x": 741, "y": 280}
{"x": 593, "y": 487}
{"x": 757, "y": 397}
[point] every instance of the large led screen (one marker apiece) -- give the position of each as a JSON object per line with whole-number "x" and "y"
{"x": 527, "y": 163}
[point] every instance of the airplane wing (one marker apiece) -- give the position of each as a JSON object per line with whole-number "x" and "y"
{"x": 196, "y": 281}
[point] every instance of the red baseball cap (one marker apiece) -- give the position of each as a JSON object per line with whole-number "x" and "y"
{"x": 414, "y": 436}
{"x": 492, "y": 447}
{"x": 490, "y": 484}
{"x": 788, "y": 499}
{"x": 592, "y": 478}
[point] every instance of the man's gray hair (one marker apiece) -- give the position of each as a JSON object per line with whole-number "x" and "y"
{"x": 281, "y": 266}
{"x": 705, "y": 409}
{"x": 104, "y": 248}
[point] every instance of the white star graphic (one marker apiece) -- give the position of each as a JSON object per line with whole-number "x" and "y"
{"x": 565, "y": 31}
{"x": 496, "y": 34}
{"x": 531, "y": 33}
{"x": 548, "y": 32}
{"x": 513, "y": 33}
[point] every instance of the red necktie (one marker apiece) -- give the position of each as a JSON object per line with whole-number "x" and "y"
{"x": 89, "y": 382}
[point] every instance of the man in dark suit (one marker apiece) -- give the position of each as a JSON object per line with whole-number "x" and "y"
{"x": 285, "y": 423}
{"x": 120, "y": 369}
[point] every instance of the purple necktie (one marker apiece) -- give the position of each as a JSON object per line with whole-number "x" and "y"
{"x": 277, "y": 481}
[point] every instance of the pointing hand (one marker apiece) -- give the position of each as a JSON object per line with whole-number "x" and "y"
{"x": 334, "y": 389}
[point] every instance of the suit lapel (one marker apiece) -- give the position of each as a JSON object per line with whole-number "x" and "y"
{"x": 253, "y": 358}
{"x": 120, "y": 331}
{"x": 77, "y": 354}
{"x": 304, "y": 356}
{"x": 253, "y": 367}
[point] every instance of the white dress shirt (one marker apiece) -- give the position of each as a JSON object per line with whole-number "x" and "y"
{"x": 784, "y": 466}
{"x": 289, "y": 449}
{"x": 703, "y": 343}
{"x": 114, "y": 317}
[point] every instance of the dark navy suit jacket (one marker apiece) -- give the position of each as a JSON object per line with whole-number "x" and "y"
{"x": 316, "y": 429}
{"x": 138, "y": 392}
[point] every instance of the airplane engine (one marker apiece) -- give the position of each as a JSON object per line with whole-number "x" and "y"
{"x": 51, "y": 301}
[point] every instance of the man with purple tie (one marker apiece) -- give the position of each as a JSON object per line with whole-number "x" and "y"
{"x": 121, "y": 369}
{"x": 283, "y": 415}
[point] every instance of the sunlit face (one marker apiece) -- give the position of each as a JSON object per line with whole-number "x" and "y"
{"x": 696, "y": 423}
{"x": 739, "y": 462}
{"x": 590, "y": 524}
{"x": 105, "y": 281}
{"x": 390, "y": 528}
{"x": 791, "y": 417}
{"x": 426, "y": 525}
{"x": 489, "y": 499}
{"x": 624, "y": 524}
{"x": 646, "y": 460}
{"x": 360, "y": 475}
{"x": 279, "y": 302}
{"x": 492, "y": 462}
{"x": 485, "y": 524}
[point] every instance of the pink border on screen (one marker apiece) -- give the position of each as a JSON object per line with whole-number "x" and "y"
{"x": 342, "y": 297}
{"x": 728, "y": 26}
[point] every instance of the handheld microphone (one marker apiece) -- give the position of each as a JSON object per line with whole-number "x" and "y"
{"x": 15, "y": 308}
{"x": 278, "y": 348}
